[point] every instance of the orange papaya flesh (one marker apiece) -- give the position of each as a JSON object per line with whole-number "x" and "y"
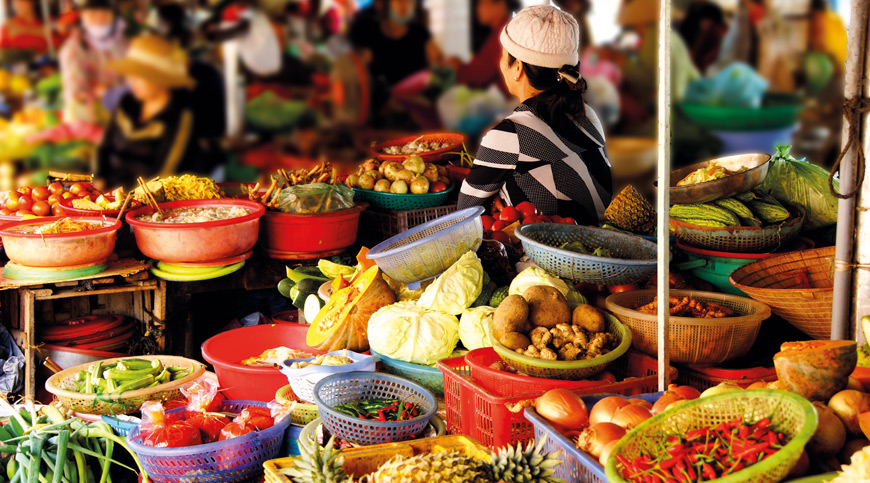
{"x": 816, "y": 369}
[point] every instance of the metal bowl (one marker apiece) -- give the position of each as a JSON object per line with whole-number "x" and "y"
{"x": 758, "y": 165}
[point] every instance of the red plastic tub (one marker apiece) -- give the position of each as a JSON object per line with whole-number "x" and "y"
{"x": 298, "y": 235}
{"x": 227, "y": 350}
{"x": 59, "y": 249}
{"x": 197, "y": 242}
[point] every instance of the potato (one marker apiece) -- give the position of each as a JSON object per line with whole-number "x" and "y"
{"x": 588, "y": 318}
{"x": 547, "y": 306}
{"x": 512, "y": 315}
{"x": 514, "y": 341}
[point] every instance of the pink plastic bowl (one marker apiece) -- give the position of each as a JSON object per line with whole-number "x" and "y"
{"x": 197, "y": 242}
{"x": 60, "y": 249}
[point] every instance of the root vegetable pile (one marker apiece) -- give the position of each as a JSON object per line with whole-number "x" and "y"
{"x": 689, "y": 307}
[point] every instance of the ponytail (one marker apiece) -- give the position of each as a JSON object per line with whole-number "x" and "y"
{"x": 561, "y": 99}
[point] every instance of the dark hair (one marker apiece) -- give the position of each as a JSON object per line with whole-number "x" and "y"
{"x": 174, "y": 17}
{"x": 690, "y": 28}
{"x": 561, "y": 99}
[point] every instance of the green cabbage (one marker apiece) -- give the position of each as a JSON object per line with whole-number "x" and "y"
{"x": 475, "y": 327}
{"x": 533, "y": 276}
{"x": 457, "y": 288}
{"x": 407, "y": 332}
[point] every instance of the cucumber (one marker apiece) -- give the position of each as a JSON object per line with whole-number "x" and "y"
{"x": 309, "y": 285}
{"x": 294, "y": 292}
{"x": 500, "y": 294}
{"x": 299, "y": 299}
{"x": 284, "y": 287}
{"x": 313, "y": 304}
{"x": 485, "y": 295}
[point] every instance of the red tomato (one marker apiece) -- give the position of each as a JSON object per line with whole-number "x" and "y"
{"x": 437, "y": 187}
{"x": 56, "y": 188}
{"x": 177, "y": 434}
{"x": 498, "y": 225}
{"x": 6, "y": 212}
{"x": 259, "y": 418}
{"x": 95, "y": 191}
{"x": 614, "y": 289}
{"x": 53, "y": 199}
{"x": 527, "y": 209}
{"x": 501, "y": 236}
{"x": 25, "y": 203}
{"x": 546, "y": 219}
{"x": 556, "y": 218}
{"x": 40, "y": 193}
{"x": 509, "y": 214}
{"x": 67, "y": 195}
{"x": 23, "y": 213}
{"x": 209, "y": 425}
{"x": 234, "y": 430}
{"x": 487, "y": 222}
{"x": 531, "y": 219}
{"x": 25, "y": 190}
{"x": 41, "y": 208}
{"x": 568, "y": 221}
{"x": 78, "y": 189}
{"x": 58, "y": 210}
{"x": 174, "y": 404}
{"x": 12, "y": 201}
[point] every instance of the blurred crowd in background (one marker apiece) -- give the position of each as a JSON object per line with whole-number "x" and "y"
{"x": 127, "y": 88}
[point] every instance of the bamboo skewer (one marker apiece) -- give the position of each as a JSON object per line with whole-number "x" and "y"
{"x": 149, "y": 196}
{"x": 124, "y": 206}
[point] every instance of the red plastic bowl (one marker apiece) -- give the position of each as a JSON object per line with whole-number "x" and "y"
{"x": 227, "y": 350}
{"x": 60, "y": 249}
{"x": 291, "y": 233}
{"x": 197, "y": 242}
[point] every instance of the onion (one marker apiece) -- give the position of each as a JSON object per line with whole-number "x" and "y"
{"x": 593, "y": 438}
{"x": 642, "y": 403}
{"x": 676, "y": 403}
{"x": 758, "y": 385}
{"x": 605, "y": 377}
{"x": 830, "y": 433}
{"x": 851, "y": 447}
{"x": 604, "y": 410}
{"x": 564, "y": 409}
{"x": 848, "y": 404}
{"x": 855, "y": 384}
{"x": 605, "y": 453}
{"x": 668, "y": 398}
{"x": 864, "y": 423}
{"x": 802, "y": 467}
{"x": 720, "y": 388}
{"x": 688, "y": 392}
{"x": 631, "y": 416}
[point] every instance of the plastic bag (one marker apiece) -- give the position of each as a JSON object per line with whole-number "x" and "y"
{"x": 315, "y": 198}
{"x": 800, "y": 183}
{"x": 158, "y": 430}
{"x": 12, "y": 358}
{"x": 268, "y": 112}
{"x": 259, "y": 48}
{"x": 200, "y": 399}
{"x": 736, "y": 85}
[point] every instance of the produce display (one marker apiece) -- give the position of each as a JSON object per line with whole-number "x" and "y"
{"x": 630, "y": 211}
{"x": 688, "y": 307}
{"x": 326, "y": 360}
{"x": 815, "y": 369}
{"x": 380, "y": 409}
{"x": 274, "y": 357}
{"x": 413, "y": 175}
{"x": 500, "y": 226}
{"x": 178, "y": 188}
{"x": 711, "y": 172}
{"x": 45, "y": 200}
{"x": 102, "y": 204}
{"x": 322, "y": 173}
{"x": 125, "y": 375}
{"x": 752, "y": 209}
{"x": 195, "y": 215}
{"x": 416, "y": 147}
{"x": 541, "y": 324}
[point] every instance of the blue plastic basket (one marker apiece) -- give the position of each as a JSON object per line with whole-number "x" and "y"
{"x": 302, "y": 381}
{"x": 291, "y": 441}
{"x": 121, "y": 427}
{"x": 354, "y": 386}
{"x": 401, "y": 202}
{"x": 428, "y": 377}
{"x": 635, "y": 258}
{"x": 577, "y": 466}
{"x": 427, "y": 250}
{"x": 235, "y": 459}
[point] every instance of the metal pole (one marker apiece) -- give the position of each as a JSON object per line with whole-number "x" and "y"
{"x": 846, "y": 217}
{"x": 857, "y": 65}
{"x": 46, "y": 22}
{"x": 663, "y": 191}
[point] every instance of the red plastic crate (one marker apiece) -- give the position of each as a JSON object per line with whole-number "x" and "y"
{"x": 476, "y": 412}
{"x": 706, "y": 377}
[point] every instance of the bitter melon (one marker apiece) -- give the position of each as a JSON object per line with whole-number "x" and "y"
{"x": 770, "y": 213}
{"x": 747, "y": 217}
{"x": 704, "y": 212}
{"x": 500, "y": 294}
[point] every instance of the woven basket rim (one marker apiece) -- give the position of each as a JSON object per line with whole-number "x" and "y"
{"x": 797, "y": 442}
{"x": 457, "y": 138}
{"x": 403, "y": 196}
{"x": 769, "y": 262}
{"x": 799, "y": 216}
{"x": 52, "y": 385}
{"x": 612, "y": 303}
{"x": 407, "y": 366}
{"x": 524, "y": 238}
{"x": 624, "y": 344}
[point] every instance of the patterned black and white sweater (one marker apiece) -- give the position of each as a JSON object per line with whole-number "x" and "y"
{"x": 523, "y": 158}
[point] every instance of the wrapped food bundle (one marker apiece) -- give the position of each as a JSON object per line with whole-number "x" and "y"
{"x": 315, "y": 198}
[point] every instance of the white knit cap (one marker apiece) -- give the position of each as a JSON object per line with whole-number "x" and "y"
{"x": 543, "y": 36}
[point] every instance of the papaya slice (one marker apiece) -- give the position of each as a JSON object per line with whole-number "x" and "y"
{"x": 343, "y": 322}
{"x": 816, "y": 369}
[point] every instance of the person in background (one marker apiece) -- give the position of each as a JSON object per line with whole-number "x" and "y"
{"x": 152, "y": 129}
{"x": 579, "y": 9}
{"x": 84, "y": 63}
{"x": 483, "y": 70}
{"x": 702, "y": 29}
{"x": 828, "y": 33}
{"x": 551, "y": 149}
{"x": 25, "y": 30}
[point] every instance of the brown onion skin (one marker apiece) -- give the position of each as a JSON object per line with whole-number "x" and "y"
{"x": 564, "y": 409}
{"x": 631, "y": 416}
{"x": 601, "y": 411}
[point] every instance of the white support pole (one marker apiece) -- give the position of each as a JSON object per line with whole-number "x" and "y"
{"x": 46, "y": 23}
{"x": 663, "y": 191}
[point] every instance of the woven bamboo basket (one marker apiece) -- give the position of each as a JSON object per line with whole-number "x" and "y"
{"x": 120, "y": 403}
{"x": 798, "y": 286}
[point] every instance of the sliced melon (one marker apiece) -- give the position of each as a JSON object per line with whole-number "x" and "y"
{"x": 343, "y": 322}
{"x": 313, "y": 304}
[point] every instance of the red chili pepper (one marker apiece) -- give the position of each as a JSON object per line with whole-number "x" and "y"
{"x": 668, "y": 463}
{"x": 676, "y": 449}
{"x": 743, "y": 431}
{"x": 690, "y": 471}
{"x": 752, "y": 450}
{"x": 708, "y": 472}
{"x": 696, "y": 434}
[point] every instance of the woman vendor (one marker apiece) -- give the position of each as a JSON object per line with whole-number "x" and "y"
{"x": 483, "y": 69}
{"x": 25, "y": 30}
{"x": 152, "y": 130}
{"x": 84, "y": 60}
{"x": 550, "y": 150}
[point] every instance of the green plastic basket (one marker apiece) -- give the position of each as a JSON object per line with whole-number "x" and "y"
{"x": 789, "y": 413}
{"x": 567, "y": 370}
{"x": 428, "y": 377}
{"x": 729, "y": 118}
{"x": 395, "y": 201}
{"x": 816, "y": 478}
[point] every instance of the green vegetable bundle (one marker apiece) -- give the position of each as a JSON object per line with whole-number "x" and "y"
{"x": 45, "y": 447}
{"x": 125, "y": 375}
{"x": 746, "y": 209}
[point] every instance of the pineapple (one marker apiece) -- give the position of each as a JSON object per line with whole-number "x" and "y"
{"x": 317, "y": 465}
{"x": 515, "y": 465}
{"x": 444, "y": 467}
{"x": 630, "y": 211}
